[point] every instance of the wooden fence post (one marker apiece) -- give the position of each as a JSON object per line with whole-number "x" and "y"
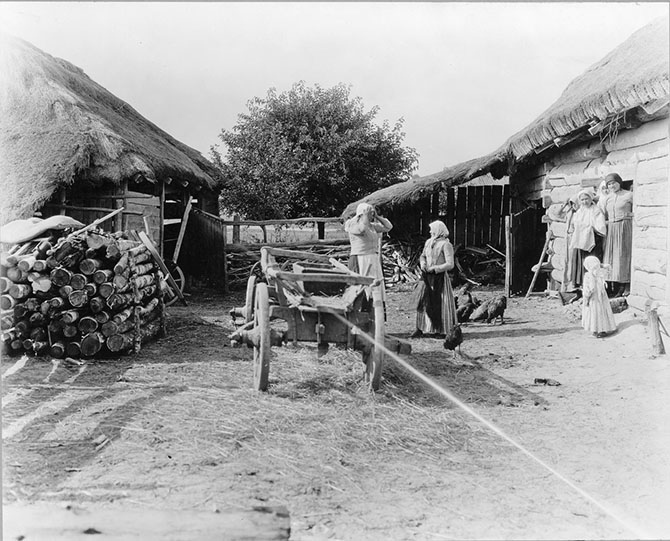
{"x": 225, "y": 257}
{"x": 236, "y": 229}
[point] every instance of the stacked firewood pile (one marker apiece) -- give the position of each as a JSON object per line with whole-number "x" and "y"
{"x": 474, "y": 265}
{"x": 479, "y": 266}
{"x": 400, "y": 261}
{"x": 85, "y": 294}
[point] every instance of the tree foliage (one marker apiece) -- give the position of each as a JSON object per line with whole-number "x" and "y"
{"x": 308, "y": 151}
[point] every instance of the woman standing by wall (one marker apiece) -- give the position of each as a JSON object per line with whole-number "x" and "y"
{"x": 588, "y": 230}
{"x": 436, "y": 309}
{"x": 618, "y": 209}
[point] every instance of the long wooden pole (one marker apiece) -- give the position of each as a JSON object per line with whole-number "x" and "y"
{"x": 97, "y": 222}
{"x": 182, "y": 229}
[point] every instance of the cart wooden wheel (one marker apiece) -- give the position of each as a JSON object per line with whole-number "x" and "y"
{"x": 249, "y": 302}
{"x": 375, "y": 359}
{"x": 262, "y": 338}
{"x": 179, "y": 279}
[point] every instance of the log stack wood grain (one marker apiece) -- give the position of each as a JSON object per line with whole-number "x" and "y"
{"x": 86, "y": 294}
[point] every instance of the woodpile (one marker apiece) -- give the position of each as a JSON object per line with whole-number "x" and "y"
{"x": 85, "y": 294}
{"x": 400, "y": 261}
{"x": 479, "y": 266}
{"x": 473, "y": 265}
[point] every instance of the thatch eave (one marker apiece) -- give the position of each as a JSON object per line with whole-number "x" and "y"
{"x": 413, "y": 190}
{"x": 632, "y": 77}
{"x": 58, "y": 126}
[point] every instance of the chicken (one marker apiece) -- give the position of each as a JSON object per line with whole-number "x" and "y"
{"x": 464, "y": 311}
{"x": 454, "y": 339}
{"x": 465, "y": 304}
{"x": 491, "y": 310}
{"x": 463, "y": 295}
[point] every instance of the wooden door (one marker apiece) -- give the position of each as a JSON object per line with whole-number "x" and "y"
{"x": 525, "y": 237}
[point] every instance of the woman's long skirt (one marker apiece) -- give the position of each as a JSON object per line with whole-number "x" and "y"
{"x": 577, "y": 257}
{"x": 618, "y": 250}
{"x": 436, "y": 309}
{"x": 369, "y": 265}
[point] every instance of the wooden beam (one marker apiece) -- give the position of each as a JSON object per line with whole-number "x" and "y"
{"x": 77, "y": 523}
{"x": 655, "y": 106}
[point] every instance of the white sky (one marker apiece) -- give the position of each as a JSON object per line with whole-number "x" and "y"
{"x": 465, "y": 76}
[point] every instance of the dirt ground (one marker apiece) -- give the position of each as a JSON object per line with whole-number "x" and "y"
{"x": 177, "y": 426}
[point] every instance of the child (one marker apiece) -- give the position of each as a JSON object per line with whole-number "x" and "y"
{"x": 597, "y": 315}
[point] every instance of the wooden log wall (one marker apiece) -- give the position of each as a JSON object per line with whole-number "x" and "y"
{"x": 80, "y": 295}
{"x": 640, "y": 156}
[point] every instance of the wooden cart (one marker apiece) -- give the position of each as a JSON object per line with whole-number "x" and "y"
{"x": 320, "y": 301}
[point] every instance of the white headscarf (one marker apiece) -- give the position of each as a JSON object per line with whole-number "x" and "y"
{"x": 438, "y": 229}
{"x": 588, "y": 192}
{"x": 362, "y": 208}
{"x": 592, "y": 264}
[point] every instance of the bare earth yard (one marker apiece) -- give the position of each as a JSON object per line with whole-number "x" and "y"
{"x": 178, "y": 427}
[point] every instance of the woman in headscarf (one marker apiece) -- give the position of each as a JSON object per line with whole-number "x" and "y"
{"x": 365, "y": 231}
{"x": 602, "y": 191}
{"x": 618, "y": 209}
{"x": 588, "y": 230}
{"x": 436, "y": 309}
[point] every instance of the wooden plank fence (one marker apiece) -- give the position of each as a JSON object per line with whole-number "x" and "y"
{"x": 203, "y": 253}
{"x": 475, "y": 215}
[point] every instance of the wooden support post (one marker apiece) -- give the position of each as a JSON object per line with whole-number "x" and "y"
{"x": 508, "y": 255}
{"x": 224, "y": 236}
{"x": 656, "y": 340}
{"x": 161, "y": 217}
{"x": 236, "y": 229}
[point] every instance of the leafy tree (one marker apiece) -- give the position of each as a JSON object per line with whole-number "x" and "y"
{"x": 308, "y": 151}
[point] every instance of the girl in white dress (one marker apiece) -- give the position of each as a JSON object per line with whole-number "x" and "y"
{"x": 597, "y": 315}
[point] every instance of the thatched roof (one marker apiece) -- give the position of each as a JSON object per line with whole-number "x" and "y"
{"x": 634, "y": 74}
{"x": 413, "y": 190}
{"x": 58, "y": 125}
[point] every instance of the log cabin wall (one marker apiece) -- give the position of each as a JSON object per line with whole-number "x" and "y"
{"x": 640, "y": 156}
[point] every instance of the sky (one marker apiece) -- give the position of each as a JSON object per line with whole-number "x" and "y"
{"x": 463, "y": 76}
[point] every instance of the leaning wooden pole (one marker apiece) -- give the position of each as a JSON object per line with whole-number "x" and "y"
{"x": 654, "y": 328}
{"x": 539, "y": 263}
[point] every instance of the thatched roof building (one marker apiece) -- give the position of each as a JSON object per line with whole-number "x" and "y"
{"x": 58, "y": 127}
{"x": 630, "y": 85}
